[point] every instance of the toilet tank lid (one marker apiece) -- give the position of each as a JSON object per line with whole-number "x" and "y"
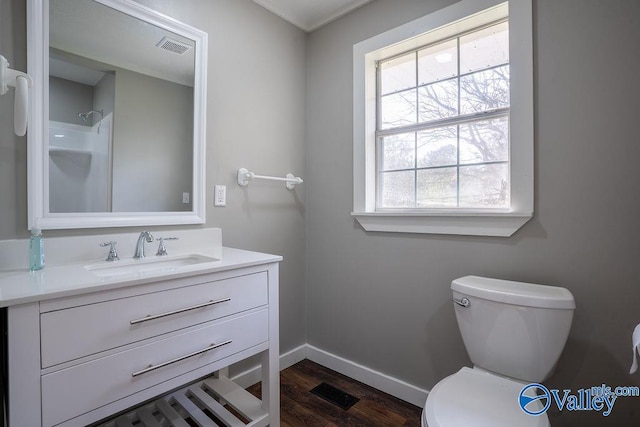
{"x": 517, "y": 293}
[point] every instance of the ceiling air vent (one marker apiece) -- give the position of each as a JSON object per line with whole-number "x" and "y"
{"x": 173, "y": 45}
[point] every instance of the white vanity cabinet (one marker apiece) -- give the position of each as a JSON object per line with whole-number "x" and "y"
{"x": 77, "y": 359}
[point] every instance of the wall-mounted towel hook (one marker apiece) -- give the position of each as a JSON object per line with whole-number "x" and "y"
{"x": 22, "y": 82}
{"x": 244, "y": 176}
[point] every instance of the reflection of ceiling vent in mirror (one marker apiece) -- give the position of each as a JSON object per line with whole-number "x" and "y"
{"x": 173, "y": 45}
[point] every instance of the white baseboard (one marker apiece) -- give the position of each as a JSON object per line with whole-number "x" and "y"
{"x": 375, "y": 379}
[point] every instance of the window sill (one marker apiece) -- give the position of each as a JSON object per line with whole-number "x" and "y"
{"x": 497, "y": 224}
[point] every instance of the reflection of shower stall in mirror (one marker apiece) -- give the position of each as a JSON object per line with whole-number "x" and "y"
{"x": 80, "y": 167}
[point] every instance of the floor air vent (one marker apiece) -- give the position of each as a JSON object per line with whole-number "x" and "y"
{"x": 334, "y": 395}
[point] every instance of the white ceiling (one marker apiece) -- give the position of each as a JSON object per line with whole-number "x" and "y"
{"x": 311, "y": 14}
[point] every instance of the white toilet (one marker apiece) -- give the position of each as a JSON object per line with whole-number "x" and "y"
{"x": 514, "y": 333}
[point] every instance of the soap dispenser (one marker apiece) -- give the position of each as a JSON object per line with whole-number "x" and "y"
{"x": 36, "y": 250}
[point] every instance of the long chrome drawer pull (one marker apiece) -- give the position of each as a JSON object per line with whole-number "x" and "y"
{"x": 182, "y": 310}
{"x": 178, "y": 359}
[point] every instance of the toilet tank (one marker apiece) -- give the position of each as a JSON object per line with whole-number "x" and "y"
{"x": 514, "y": 329}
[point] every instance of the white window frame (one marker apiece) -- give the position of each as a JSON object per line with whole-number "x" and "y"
{"x": 461, "y": 221}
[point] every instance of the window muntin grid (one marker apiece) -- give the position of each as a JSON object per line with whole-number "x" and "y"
{"x": 442, "y": 138}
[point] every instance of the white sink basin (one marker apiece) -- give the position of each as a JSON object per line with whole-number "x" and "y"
{"x": 148, "y": 266}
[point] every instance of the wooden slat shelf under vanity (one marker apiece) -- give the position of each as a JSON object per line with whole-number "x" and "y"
{"x": 205, "y": 402}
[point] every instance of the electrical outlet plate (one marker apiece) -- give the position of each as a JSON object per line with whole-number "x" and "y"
{"x": 220, "y": 196}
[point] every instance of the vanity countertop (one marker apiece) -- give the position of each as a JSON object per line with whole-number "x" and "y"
{"x": 19, "y": 286}
{"x": 66, "y": 273}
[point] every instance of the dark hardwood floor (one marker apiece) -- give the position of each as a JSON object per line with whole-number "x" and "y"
{"x": 301, "y": 408}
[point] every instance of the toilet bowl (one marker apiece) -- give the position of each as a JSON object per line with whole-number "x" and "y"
{"x": 476, "y": 398}
{"x": 514, "y": 333}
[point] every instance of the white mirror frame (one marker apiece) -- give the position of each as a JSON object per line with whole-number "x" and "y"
{"x": 37, "y": 135}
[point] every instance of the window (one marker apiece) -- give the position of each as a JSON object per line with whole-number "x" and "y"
{"x": 442, "y": 137}
{"x": 443, "y": 122}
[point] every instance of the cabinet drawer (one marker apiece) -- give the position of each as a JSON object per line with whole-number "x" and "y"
{"x": 70, "y": 392}
{"x": 81, "y": 331}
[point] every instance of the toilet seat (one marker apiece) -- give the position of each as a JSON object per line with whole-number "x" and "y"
{"x": 473, "y": 397}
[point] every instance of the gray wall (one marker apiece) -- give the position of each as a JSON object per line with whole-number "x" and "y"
{"x": 255, "y": 119}
{"x": 383, "y": 300}
{"x": 152, "y": 144}
{"x": 67, "y": 99}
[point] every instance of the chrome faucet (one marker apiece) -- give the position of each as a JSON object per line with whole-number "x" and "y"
{"x": 144, "y": 236}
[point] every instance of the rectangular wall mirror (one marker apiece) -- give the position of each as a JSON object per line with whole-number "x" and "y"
{"x": 117, "y": 119}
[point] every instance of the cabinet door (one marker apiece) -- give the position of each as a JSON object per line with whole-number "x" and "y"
{"x": 70, "y": 392}
{"x": 114, "y": 323}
